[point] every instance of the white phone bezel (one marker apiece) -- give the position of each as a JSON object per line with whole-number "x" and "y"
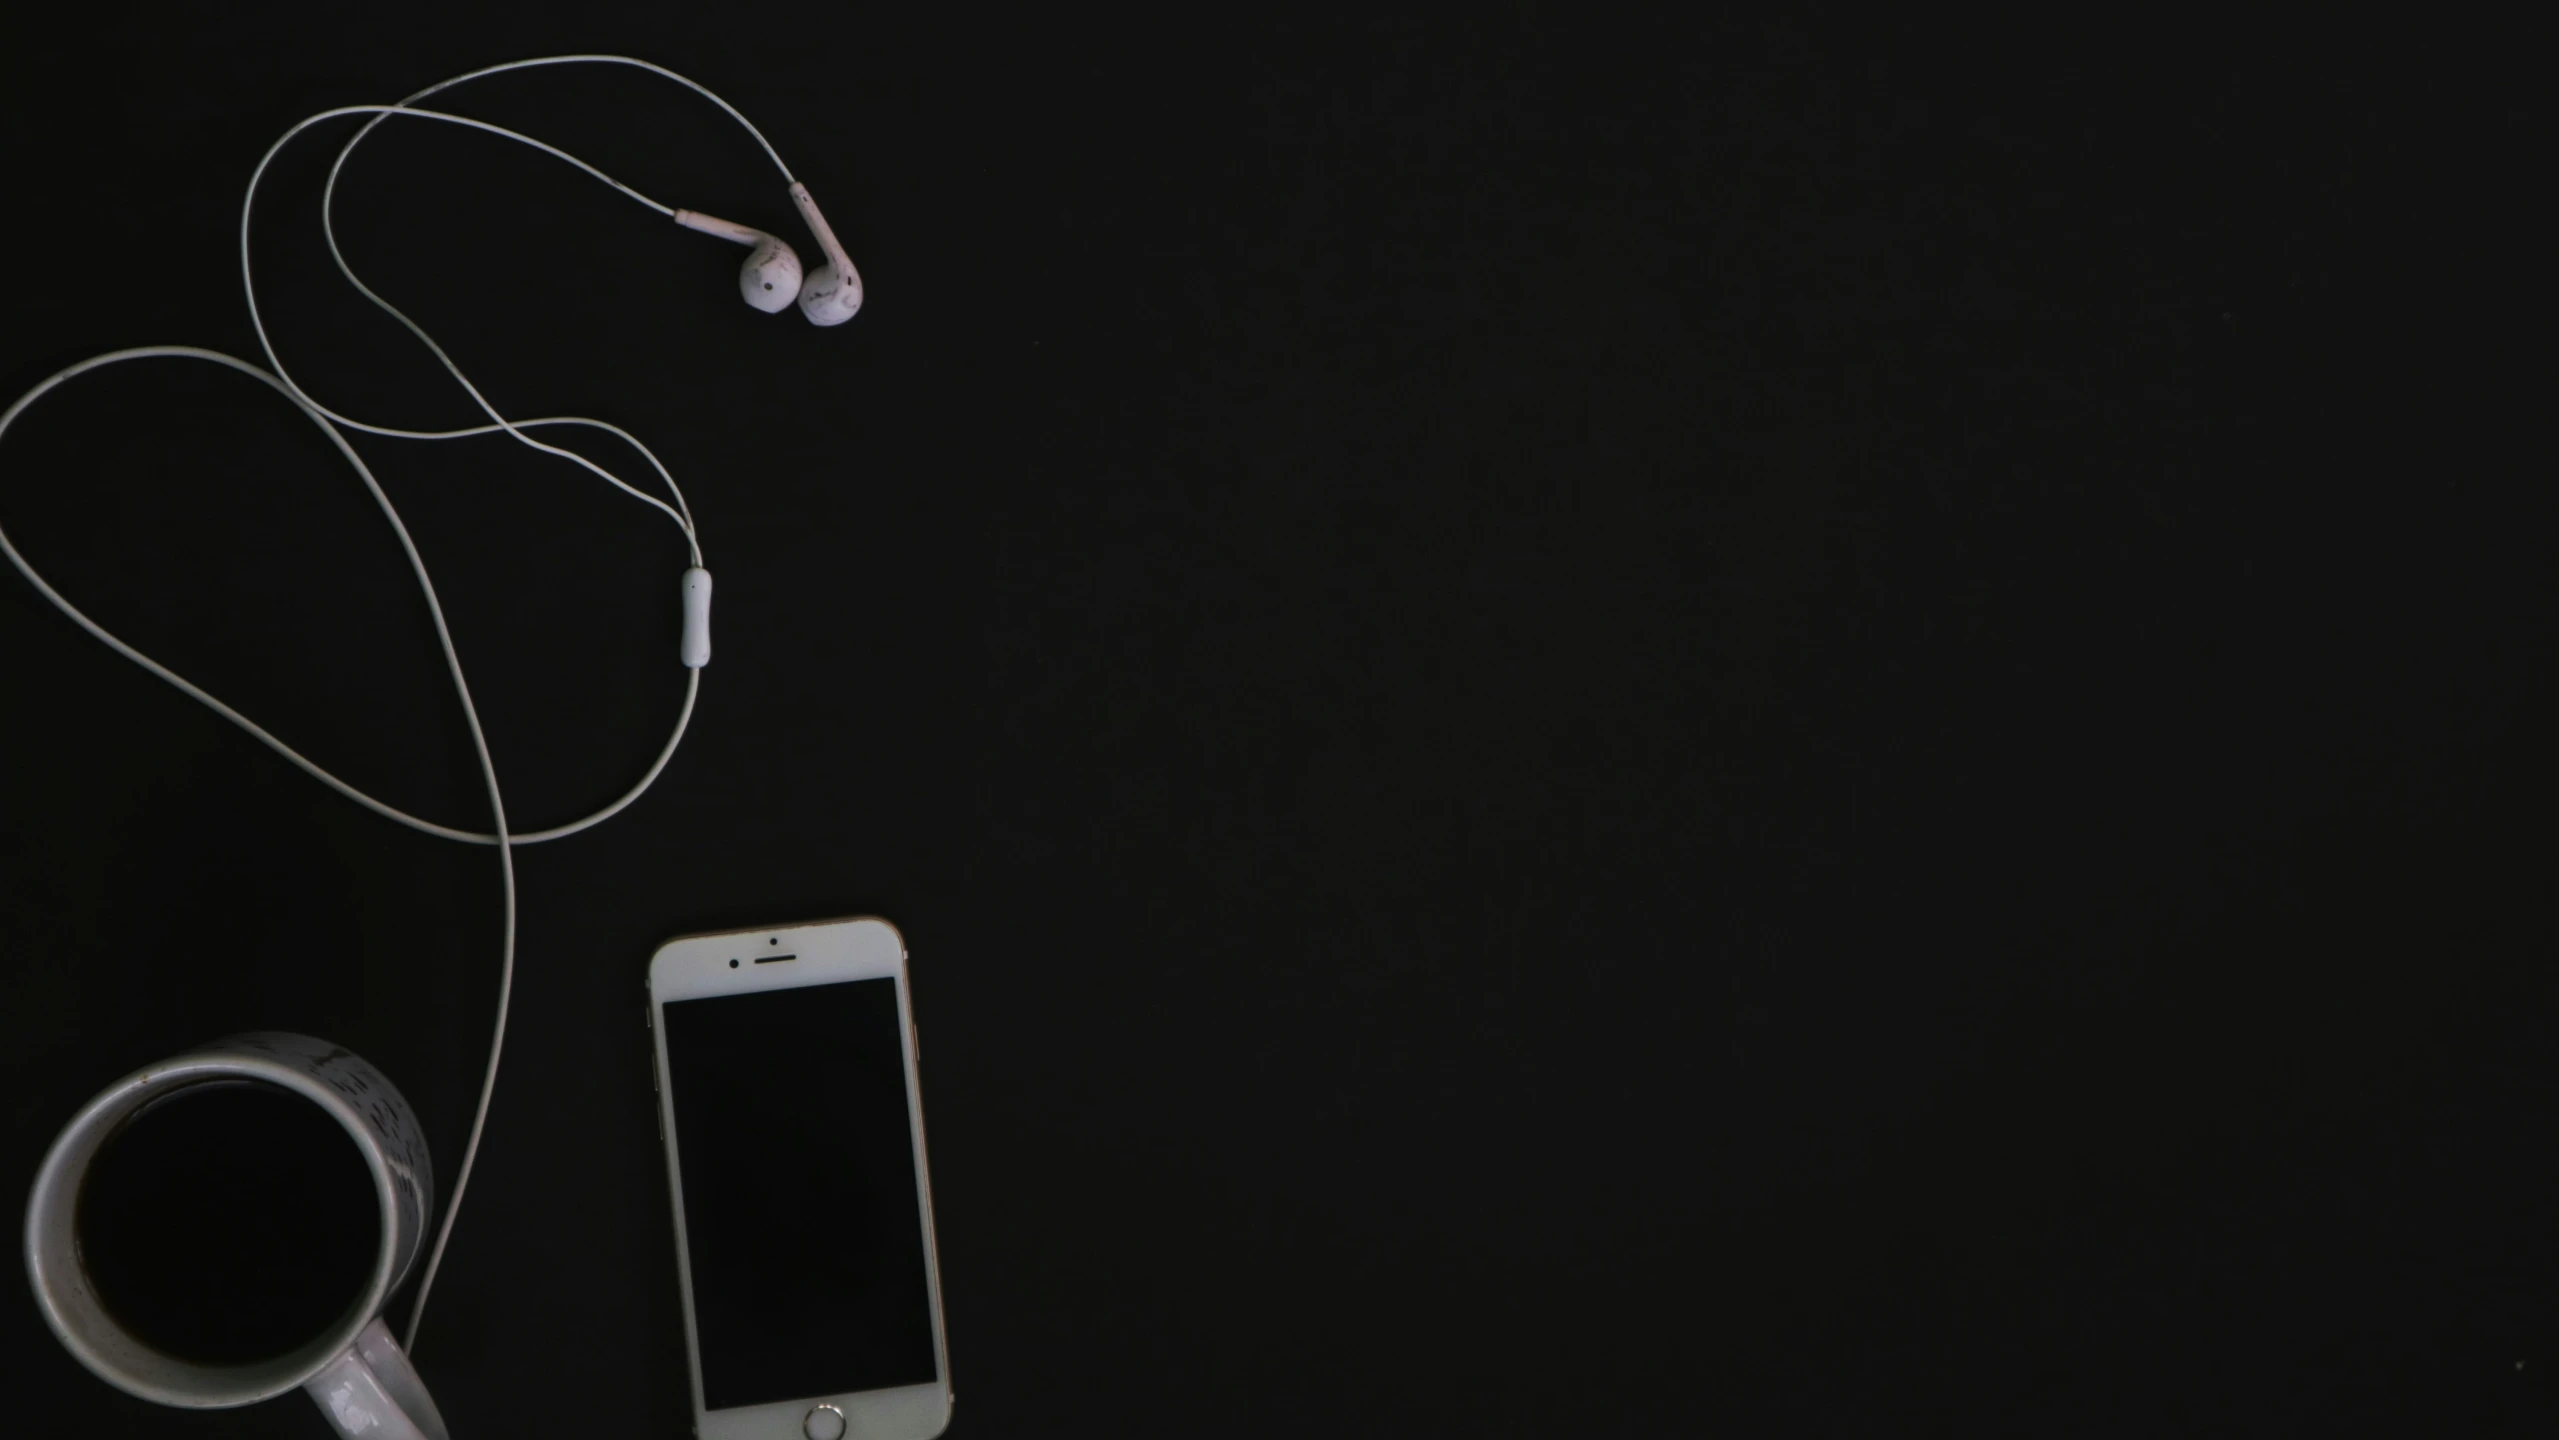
{"x": 827, "y": 952}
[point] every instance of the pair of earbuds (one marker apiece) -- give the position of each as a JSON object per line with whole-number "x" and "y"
{"x": 771, "y": 278}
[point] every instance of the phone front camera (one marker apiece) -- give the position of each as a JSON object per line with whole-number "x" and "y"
{"x": 733, "y": 964}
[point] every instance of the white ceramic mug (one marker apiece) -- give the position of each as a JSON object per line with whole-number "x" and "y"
{"x": 355, "y": 1372}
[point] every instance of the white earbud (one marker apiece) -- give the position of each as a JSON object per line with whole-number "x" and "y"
{"x": 833, "y": 291}
{"x": 770, "y": 279}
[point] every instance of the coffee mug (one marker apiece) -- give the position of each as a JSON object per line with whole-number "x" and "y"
{"x": 354, "y": 1371}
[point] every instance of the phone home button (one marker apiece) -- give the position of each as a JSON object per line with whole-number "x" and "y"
{"x": 824, "y": 1423}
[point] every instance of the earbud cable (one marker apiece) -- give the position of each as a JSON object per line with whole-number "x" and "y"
{"x": 499, "y": 836}
{"x": 453, "y": 665}
{"x": 257, "y": 320}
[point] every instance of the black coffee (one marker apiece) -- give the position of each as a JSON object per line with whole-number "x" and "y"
{"x": 229, "y": 1221}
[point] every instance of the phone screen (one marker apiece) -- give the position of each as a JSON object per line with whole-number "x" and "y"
{"x": 803, "y": 1225}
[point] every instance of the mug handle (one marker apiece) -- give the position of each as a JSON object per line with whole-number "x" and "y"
{"x": 372, "y": 1392}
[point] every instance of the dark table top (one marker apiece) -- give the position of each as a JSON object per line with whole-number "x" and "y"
{"x": 1581, "y": 728}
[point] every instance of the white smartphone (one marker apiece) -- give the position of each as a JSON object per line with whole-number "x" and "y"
{"x": 794, "y": 1128}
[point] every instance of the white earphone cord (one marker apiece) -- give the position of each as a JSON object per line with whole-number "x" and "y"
{"x": 336, "y": 425}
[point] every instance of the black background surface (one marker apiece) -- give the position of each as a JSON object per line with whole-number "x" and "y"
{"x": 1582, "y": 726}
